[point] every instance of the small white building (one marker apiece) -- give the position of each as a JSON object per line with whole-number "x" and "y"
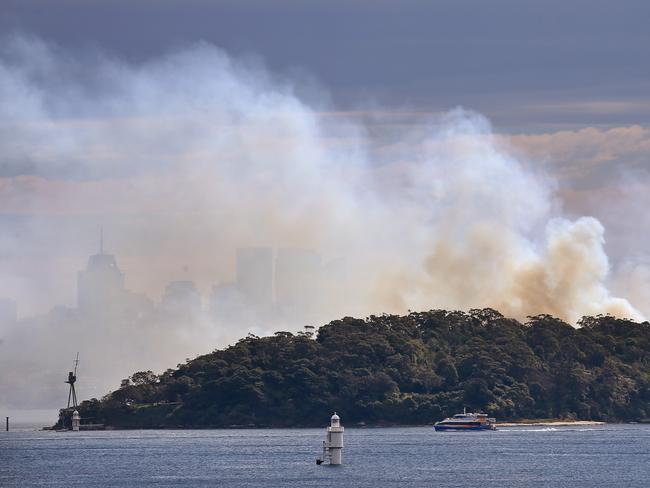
{"x": 333, "y": 444}
{"x": 76, "y": 421}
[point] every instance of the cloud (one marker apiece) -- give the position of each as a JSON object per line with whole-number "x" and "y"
{"x": 591, "y": 156}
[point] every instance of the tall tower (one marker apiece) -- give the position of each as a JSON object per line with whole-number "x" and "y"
{"x": 298, "y": 283}
{"x": 100, "y": 287}
{"x": 255, "y": 276}
{"x": 7, "y": 311}
{"x": 182, "y": 299}
{"x": 72, "y": 378}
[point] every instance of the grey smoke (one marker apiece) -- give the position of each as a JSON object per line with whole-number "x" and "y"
{"x": 187, "y": 157}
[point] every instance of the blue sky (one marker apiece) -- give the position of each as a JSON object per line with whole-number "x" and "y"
{"x": 528, "y": 65}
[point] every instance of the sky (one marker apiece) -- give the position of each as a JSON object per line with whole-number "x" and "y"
{"x": 445, "y": 154}
{"x": 565, "y": 83}
{"x": 528, "y": 66}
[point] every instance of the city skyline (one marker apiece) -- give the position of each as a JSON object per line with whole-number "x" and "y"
{"x": 117, "y": 330}
{"x": 103, "y": 282}
{"x": 160, "y": 175}
{"x": 452, "y": 155}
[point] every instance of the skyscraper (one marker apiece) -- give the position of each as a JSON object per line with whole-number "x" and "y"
{"x": 100, "y": 287}
{"x": 181, "y": 298}
{"x": 226, "y": 303}
{"x": 298, "y": 283}
{"x": 7, "y": 311}
{"x": 255, "y": 276}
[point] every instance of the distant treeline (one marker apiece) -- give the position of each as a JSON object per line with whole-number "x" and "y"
{"x": 388, "y": 369}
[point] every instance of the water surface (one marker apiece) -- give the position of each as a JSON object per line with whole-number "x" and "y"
{"x": 576, "y": 457}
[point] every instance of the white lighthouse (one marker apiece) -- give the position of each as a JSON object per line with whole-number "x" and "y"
{"x": 76, "y": 421}
{"x": 333, "y": 444}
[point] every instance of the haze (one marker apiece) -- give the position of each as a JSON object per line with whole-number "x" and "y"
{"x": 319, "y": 167}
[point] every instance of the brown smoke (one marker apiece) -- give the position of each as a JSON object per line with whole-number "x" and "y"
{"x": 188, "y": 157}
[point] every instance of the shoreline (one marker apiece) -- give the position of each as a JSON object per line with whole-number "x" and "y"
{"x": 524, "y": 423}
{"x": 550, "y": 423}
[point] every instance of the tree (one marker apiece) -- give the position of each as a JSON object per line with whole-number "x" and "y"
{"x": 144, "y": 378}
{"x": 406, "y": 370}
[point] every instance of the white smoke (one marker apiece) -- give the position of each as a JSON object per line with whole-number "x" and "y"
{"x": 191, "y": 155}
{"x": 214, "y": 153}
{"x": 492, "y": 234}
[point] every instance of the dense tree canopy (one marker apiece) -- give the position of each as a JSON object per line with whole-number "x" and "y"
{"x": 389, "y": 369}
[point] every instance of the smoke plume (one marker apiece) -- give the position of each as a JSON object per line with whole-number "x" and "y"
{"x": 187, "y": 157}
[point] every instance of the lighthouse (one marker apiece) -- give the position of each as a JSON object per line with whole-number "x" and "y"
{"x": 76, "y": 421}
{"x": 333, "y": 444}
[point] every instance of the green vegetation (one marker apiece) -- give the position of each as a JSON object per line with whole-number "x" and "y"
{"x": 388, "y": 369}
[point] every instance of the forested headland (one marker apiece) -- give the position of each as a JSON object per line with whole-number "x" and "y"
{"x": 388, "y": 369}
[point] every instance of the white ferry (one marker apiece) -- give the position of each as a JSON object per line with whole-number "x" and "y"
{"x": 467, "y": 421}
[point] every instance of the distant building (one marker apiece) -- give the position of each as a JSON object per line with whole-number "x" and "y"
{"x": 339, "y": 296}
{"x": 101, "y": 291}
{"x": 8, "y": 313}
{"x": 298, "y": 275}
{"x": 100, "y": 287}
{"x": 255, "y": 277}
{"x": 227, "y": 303}
{"x": 181, "y": 298}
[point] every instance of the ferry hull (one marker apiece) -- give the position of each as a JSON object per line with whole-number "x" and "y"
{"x": 463, "y": 427}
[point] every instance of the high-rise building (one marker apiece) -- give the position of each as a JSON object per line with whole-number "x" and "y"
{"x": 298, "y": 275}
{"x": 181, "y": 298}
{"x": 255, "y": 276}
{"x": 101, "y": 284}
{"x": 100, "y": 287}
{"x": 226, "y": 303}
{"x": 7, "y": 311}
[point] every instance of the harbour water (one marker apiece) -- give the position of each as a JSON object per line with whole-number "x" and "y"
{"x": 576, "y": 457}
